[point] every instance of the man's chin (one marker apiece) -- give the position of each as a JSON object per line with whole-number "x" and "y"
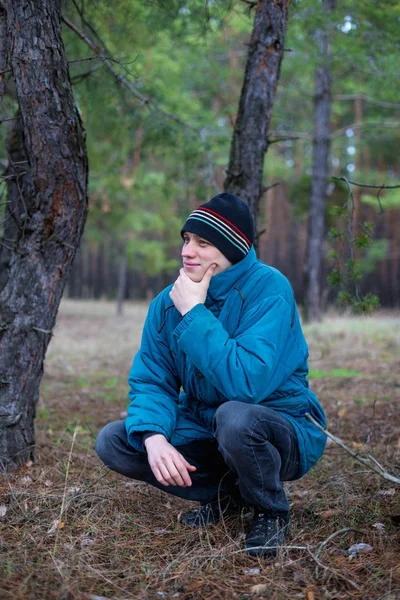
{"x": 195, "y": 276}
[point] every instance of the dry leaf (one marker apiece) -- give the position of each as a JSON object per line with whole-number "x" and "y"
{"x": 48, "y": 483}
{"x": 389, "y": 492}
{"x": 259, "y": 588}
{"x": 57, "y": 524}
{"x": 3, "y": 510}
{"x": 310, "y": 595}
{"x": 359, "y": 549}
{"x": 87, "y": 541}
{"x": 357, "y": 445}
{"x": 29, "y": 463}
{"x": 26, "y": 480}
{"x": 379, "y": 526}
{"x": 330, "y": 512}
{"x": 342, "y": 412}
{"x": 251, "y": 571}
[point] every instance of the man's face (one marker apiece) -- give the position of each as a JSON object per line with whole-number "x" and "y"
{"x": 198, "y": 254}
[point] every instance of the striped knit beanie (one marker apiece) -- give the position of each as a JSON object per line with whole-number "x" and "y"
{"x": 226, "y": 222}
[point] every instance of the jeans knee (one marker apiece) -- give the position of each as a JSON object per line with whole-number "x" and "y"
{"x": 229, "y": 426}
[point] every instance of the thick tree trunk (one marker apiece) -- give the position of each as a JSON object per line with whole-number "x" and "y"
{"x": 319, "y": 183}
{"x": 19, "y": 190}
{"x": 50, "y": 231}
{"x": 250, "y": 136}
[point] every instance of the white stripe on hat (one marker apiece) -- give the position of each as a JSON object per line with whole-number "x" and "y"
{"x": 234, "y": 237}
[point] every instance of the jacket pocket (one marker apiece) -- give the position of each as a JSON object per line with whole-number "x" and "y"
{"x": 295, "y": 407}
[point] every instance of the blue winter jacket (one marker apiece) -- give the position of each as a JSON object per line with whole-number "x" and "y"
{"x": 245, "y": 343}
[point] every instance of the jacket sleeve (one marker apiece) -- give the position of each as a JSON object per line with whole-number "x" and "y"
{"x": 251, "y": 365}
{"x": 153, "y": 382}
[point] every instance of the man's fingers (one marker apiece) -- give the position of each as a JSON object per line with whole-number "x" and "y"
{"x": 183, "y": 471}
{"x": 166, "y": 475}
{"x": 176, "y": 473}
{"x": 209, "y": 273}
{"x": 158, "y": 476}
{"x": 188, "y": 465}
{"x": 172, "y": 475}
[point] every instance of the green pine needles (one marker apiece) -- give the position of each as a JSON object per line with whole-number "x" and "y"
{"x": 351, "y": 240}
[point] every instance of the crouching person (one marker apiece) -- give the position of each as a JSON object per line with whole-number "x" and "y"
{"x": 218, "y": 390}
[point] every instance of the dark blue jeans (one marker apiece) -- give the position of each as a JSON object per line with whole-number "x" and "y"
{"x": 254, "y": 450}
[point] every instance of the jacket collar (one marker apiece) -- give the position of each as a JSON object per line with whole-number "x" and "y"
{"x": 222, "y": 283}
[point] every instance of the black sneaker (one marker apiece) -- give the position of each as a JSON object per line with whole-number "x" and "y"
{"x": 267, "y": 534}
{"x": 211, "y": 513}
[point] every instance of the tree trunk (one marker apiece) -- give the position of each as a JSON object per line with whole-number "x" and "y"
{"x": 250, "y": 136}
{"x": 3, "y": 52}
{"x": 320, "y": 171}
{"x": 56, "y": 209}
{"x": 359, "y": 163}
{"x": 121, "y": 285}
{"x": 19, "y": 188}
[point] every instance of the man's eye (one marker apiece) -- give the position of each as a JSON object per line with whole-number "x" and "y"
{"x": 203, "y": 243}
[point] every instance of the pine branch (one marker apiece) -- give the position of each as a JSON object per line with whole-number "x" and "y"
{"x": 121, "y": 80}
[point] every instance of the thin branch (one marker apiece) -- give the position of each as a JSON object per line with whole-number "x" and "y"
{"x": 287, "y": 136}
{"x": 378, "y": 469}
{"x": 270, "y": 187}
{"x": 65, "y": 491}
{"x": 365, "y": 99}
{"x": 95, "y": 57}
{"x": 350, "y": 231}
{"x": 334, "y": 571}
{"x": 383, "y": 186}
{"x": 121, "y": 80}
{"x": 81, "y": 76}
{"x": 9, "y": 119}
{"x": 365, "y": 125}
{"x": 329, "y": 538}
{"x": 49, "y": 331}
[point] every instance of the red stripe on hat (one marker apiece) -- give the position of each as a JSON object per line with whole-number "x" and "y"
{"x": 226, "y": 220}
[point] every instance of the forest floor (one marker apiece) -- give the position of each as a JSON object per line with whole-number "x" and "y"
{"x": 70, "y": 529}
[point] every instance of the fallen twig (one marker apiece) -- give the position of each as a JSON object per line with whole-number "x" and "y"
{"x": 378, "y": 468}
{"x": 65, "y": 491}
{"x": 328, "y": 539}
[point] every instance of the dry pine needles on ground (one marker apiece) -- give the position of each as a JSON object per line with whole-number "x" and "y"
{"x": 72, "y": 530}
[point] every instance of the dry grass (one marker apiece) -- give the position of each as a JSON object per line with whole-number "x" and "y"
{"x": 121, "y": 539}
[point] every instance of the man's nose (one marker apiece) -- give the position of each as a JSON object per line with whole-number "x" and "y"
{"x": 188, "y": 249}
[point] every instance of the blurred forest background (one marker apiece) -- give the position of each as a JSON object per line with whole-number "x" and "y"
{"x": 157, "y": 85}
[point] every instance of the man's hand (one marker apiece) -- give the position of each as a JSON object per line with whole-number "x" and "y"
{"x": 168, "y": 465}
{"x": 185, "y": 293}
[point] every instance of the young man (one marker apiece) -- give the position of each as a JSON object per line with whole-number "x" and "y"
{"x": 218, "y": 390}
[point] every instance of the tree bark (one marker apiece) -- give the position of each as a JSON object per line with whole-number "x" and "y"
{"x": 19, "y": 189}
{"x": 319, "y": 183}
{"x": 250, "y": 136}
{"x": 56, "y": 208}
{"x": 3, "y": 53}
